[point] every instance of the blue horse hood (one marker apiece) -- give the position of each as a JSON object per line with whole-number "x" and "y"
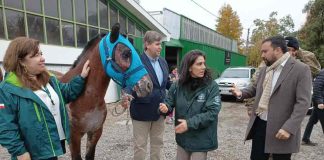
{"x": 136, "y": 69}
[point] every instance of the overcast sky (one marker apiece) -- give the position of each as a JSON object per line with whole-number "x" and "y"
{"x": 247, "y": 10}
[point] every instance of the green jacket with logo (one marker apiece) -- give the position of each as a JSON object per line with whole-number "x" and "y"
{"x": 26, "y": 124}
{"x": 201, "y": 114}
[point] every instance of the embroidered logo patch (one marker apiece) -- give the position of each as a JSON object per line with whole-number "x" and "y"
{"x": 201, "y": 98}
{"x": 2, "y": 106}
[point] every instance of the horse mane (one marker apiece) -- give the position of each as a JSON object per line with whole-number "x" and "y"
{"x": 88, "y": 45}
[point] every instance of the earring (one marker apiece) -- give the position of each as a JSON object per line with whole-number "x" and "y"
{"x": 24, "y": 68}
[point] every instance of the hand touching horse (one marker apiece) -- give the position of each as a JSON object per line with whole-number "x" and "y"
{"x": 111, "y": 56}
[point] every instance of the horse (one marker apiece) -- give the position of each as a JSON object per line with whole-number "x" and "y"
{"x": 88, "y": 112}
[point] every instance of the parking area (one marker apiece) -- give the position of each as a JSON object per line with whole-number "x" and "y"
{"x": 116, "y": 141}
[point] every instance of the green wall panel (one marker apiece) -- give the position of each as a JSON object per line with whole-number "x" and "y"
{"x": 214, "y": 56}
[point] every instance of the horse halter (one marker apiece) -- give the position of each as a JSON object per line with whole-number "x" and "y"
{"x": 135, "y": 71}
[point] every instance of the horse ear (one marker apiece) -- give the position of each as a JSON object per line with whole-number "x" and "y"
{"x": 114, "y": 33}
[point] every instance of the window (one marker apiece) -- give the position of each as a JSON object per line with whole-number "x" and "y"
{"x": 68, "y": 34}
{"x": 131, "y": 27}
{"x": 92, "y": 32}
{"x": 81, "y": 32}
{"x": 2, "y": 35}
{"x": 113, "y": 15}
{"x": 15, "y": 24}
{"x": 50, "y": 7}
{"x": 235, "y": 73}
{"x": 35, "y": 27}
{"x": 14, "y": 4}
{"x": 80, "y": 11}
{"x": 92, "y": 12}
{"x": 138, "y": 31}
{"x": 53, "y": 31}
{"x": 103, "y": 11}
{"x": 66, "y": 9}
{"x": 103, "y": 31}
{"x": 122, "y": 21}
{"x": 33, "y": 6}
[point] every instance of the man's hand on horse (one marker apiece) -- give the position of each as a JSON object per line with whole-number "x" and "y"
{"x": 85, "y": 69}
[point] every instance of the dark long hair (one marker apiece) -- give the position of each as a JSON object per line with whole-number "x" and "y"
{"x": 185, "y": 78}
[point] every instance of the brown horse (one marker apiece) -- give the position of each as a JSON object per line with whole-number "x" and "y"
{"x": 88, "y": 112}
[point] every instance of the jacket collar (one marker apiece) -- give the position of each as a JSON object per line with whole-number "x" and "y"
{"x": 150, "y": 68}
{"x": 15, "y": 87}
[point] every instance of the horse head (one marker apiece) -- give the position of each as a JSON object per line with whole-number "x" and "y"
{"x": 123, "y": 64}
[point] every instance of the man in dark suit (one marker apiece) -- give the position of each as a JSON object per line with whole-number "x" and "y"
{"x": 282, "y": 96}
{"x": 146, "y": 119}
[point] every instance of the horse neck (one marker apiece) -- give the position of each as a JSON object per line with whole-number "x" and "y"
{"x": 97, "y": 80}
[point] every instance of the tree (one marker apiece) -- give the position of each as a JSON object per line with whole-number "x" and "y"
{"x": 265, "y": 29}
{"x": 229, "y": 25}
{"x": 311, "y": 34}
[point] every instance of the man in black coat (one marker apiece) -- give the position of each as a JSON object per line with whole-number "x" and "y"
{"x": 318, "y": 110}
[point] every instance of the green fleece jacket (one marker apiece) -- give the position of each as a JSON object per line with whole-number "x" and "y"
{"x": 201, "y": 113}
{"x": 26, "y": 123}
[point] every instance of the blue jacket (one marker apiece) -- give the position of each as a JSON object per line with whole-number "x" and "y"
{"x": 26, "y": 123}
{"x": 318, "y": 89}
{"x": 146, "y": 108}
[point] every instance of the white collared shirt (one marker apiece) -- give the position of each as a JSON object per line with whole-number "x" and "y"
{"x": 54, "y": 109}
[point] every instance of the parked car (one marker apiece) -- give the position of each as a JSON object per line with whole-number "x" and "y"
{"x": 240, "y": 76}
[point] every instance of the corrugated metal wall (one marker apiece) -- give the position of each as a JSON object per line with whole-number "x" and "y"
{"x": 215, "y": 57}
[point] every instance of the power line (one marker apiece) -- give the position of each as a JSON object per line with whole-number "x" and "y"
{"x": 204, "y": 9}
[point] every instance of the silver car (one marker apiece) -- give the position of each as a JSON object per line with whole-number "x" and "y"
{"x": 240, "y": 76}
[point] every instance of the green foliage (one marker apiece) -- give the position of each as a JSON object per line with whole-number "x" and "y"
{"x": 312, "y": 33}
{"x": 264, "y": 29}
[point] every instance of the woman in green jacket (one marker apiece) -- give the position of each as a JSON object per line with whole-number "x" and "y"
{"x": 34, "y": 123}
{"x": 197, "y": 103}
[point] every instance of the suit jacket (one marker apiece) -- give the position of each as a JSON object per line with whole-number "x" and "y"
{"x": 287, "y": 108}
{"x": 146, "y": 108}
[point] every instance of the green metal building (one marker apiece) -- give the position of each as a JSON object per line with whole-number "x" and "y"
{"x": 186, "y": 35}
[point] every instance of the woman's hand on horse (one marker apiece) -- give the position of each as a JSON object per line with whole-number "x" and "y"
{"x": 24, "y": 156}
{"x": 163, "y": 108}
{"x": 85, "y": 70}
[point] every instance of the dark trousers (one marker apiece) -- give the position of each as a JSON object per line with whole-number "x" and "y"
{"x": 258, "y": 132}
{"x": 317, "y": 115}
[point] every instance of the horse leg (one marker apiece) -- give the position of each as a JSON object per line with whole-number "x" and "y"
{"x": 75, "y": 146}
{"x": 92, "y": 141}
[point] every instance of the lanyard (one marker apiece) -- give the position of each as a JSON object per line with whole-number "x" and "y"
{"x": 45, "y": 89}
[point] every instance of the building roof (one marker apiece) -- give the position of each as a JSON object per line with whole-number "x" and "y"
{"x": 145, "y": 17}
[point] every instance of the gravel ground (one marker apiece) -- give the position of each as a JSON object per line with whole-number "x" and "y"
{"x": 116, "y": 141}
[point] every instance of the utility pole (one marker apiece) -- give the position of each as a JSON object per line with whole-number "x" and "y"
{"x": 247, "y": 42}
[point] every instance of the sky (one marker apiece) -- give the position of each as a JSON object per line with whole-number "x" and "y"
{"x": 247, "y": 10}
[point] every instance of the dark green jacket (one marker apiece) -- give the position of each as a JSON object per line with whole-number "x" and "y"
{"x": 201, "y": 114}
{"x": 26, "y": 124}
